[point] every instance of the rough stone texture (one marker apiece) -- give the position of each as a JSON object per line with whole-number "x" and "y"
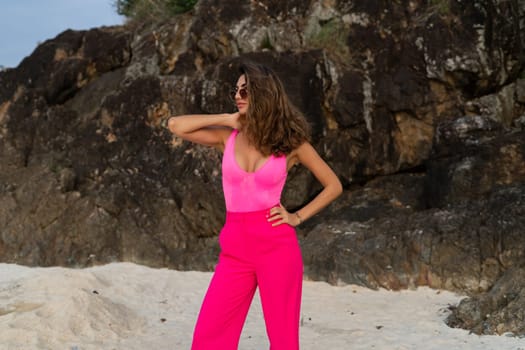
{"x": 497, "y": 312}
{"x": 418, "y": 107}
{"x": 387, "y": 242}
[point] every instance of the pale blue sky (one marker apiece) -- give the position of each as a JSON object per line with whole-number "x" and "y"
{"x": 25, "y": 23}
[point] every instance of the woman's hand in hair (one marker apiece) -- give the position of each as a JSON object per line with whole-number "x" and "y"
{"x": 234, "y": 120}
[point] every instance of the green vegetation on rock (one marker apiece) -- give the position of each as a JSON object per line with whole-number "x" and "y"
{"x": 331, "y": 35}
{"x": 442, "y": 6}
{"x": 153, "y": 9}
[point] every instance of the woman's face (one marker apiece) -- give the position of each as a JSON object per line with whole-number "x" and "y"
{"x": 240, "y": 95}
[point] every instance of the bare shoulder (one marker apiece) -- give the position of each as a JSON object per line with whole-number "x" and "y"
{"x": 301, "y": 154}
{"x": 224, "y": 134}
{"x": 310, "y": 158}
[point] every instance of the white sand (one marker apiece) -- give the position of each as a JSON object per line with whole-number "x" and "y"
{"x": 128, "y": 306}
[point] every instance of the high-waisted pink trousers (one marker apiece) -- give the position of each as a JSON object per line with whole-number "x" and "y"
{"x": 253, "y": 253}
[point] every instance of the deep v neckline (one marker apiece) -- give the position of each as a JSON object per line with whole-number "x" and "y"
{"x": 263, "y": 164}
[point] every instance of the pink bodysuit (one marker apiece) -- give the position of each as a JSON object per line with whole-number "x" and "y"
{"x": 246, "y": 191}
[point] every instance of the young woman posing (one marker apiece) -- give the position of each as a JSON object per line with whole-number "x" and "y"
{"x": 259, "y": 247}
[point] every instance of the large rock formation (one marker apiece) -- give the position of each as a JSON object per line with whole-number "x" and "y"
{"x": 419, "y": 107}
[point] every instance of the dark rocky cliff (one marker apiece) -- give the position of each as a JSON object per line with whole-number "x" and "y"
{"x": 419, "y": 106}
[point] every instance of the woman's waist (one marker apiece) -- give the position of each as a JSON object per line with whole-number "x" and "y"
{"x": 249, "y": 214}
{"x": 242, "y": 200}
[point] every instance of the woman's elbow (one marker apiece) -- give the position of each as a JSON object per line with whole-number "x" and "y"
{"x": 174, "y": 125}
{"x": 338, "y": 188}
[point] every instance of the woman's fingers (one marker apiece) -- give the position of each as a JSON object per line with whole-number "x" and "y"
{"x": 274, "y": 217}
{"x": 278, "y": 216}
{"x": 280, "y": 222}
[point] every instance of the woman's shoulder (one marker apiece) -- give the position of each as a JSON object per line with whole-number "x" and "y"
{"x": 226, "y": 134}
{"x": 294, "y": 156}
{"x": 305, "y": 145}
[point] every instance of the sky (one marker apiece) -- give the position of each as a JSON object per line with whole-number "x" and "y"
{"x": 26, "y": 23}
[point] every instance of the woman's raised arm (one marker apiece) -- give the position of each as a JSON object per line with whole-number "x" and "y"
{"x": 205, "y": 129}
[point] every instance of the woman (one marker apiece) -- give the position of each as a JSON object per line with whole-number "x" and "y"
{"x": 259, "y": 248}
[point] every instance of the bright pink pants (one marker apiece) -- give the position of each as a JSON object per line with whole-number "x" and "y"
{"x": 253, "y": 253}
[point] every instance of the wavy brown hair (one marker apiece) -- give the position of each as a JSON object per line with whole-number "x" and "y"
{"x": 272, "y": 123}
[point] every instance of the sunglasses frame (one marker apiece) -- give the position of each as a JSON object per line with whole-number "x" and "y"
{"x": 243, "y": 92}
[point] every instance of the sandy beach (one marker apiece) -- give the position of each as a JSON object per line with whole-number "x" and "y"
{"x": 129, "y": 306}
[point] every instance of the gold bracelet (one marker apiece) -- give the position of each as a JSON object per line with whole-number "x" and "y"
{"x": 299, "y": 217}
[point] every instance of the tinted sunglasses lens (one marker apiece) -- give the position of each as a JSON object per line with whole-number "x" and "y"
{"x": 233, "y": 92}
{"x": 243, "y": 93}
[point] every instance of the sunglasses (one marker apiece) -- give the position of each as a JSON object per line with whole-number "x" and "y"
{"x": 243, "y": 92}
